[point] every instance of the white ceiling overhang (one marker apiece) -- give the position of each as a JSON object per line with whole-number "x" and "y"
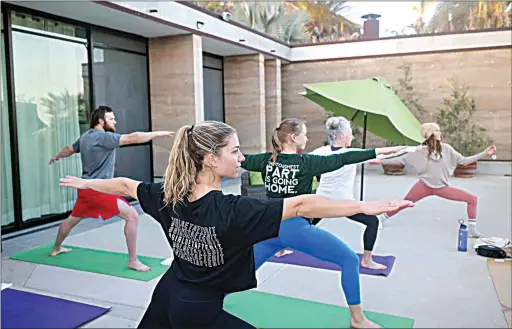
{"x": 171, "y": 18}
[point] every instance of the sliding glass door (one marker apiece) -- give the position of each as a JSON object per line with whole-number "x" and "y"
{"x": 7, "y": 206}
{"x": 49, "y": 60}
{"x": 55, "y": 71}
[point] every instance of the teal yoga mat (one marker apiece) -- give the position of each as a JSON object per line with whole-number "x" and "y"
{"x": 93, "y": 260}
{"x": 264, "y": 310}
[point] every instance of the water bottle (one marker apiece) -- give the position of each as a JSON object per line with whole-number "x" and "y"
{"x": 463, "y": 237}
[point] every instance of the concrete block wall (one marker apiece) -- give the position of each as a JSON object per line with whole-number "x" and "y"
{"x": 487, "y": 72}
{"x": 176, "y": 86}
{"x": 272, "y": 98}
{"x": 244, "y": 100}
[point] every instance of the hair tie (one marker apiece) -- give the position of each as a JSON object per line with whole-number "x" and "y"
{"x": 189, "y": 132}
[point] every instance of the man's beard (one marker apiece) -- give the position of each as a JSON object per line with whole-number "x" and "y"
{"x": 109, "y": 128}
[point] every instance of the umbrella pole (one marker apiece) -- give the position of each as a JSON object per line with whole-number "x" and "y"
{"x": 362, "y": 164}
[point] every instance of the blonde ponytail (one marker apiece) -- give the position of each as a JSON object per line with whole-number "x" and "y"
{"x": 191, "y": 145}
{"x": 277, "y": 146}
{"x": 181, "y": 172}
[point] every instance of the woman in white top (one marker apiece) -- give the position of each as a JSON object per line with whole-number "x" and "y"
{"x": 339, "y": 184}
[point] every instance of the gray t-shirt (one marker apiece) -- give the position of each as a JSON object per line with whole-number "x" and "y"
{"x": 98, "y": 149}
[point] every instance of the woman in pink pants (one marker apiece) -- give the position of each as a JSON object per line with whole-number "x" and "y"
{"x": 434, "y": 162}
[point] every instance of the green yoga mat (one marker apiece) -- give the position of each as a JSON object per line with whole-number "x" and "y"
{"x": 93, "y": 260}
{"x": 264, "y": 310}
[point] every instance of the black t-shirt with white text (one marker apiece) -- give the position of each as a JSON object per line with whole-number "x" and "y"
{"x": 212, "y": 238}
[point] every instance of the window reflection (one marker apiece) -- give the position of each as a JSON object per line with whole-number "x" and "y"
{"x": 121, "y": 82}
{"x": 51, "y": 108}
{"x": 7, "y": 206}
{"x": 33, "y": 22}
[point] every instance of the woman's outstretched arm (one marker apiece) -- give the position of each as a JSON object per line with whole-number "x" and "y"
{"x": 318, "y": 164}
{"x": 462, "y": 160}
{"x": 317, "y": 206}
{"x": 117, "y": 186}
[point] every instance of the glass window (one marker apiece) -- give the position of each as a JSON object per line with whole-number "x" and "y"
{"x": 121, "y": 81}
{"x": 134, "y": 162}
{"x": 212, "y": 62}
{"x": 213, "y": 88}
{"x": 34, "y": 23}
{"x": 7, "y": 207}
{"x": 114, "y": 41}
{"x": 51, "y": 102}
{"x": 213, "y": 91}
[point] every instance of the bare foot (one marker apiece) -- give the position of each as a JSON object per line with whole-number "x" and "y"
{"x": 138, "y": 266}
{"x": 283, "y": 253}
{"x": 363, "y": 324}
{"x": 371, "y": 264}
{"x": 60, "y": 250}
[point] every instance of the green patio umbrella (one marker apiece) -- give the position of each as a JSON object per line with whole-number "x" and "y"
{"x": 370, "y": 104}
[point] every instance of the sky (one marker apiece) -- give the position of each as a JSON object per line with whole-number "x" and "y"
{"x": 394, "y": 15}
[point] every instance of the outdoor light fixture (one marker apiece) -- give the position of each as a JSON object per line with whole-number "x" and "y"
{"x": 226, "y": 16}
{"x": 199, "y": 25}
{"x": 153, "y": 10}
{"x": 241, "y": 40}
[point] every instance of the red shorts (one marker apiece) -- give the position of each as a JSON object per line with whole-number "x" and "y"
{"x": 94, "y": 204}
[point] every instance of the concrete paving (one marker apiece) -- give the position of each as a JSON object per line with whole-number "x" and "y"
{"x": 431, "y": 281}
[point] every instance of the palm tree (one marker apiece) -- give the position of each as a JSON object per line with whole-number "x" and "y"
{"x": 420, "y": 26}
{"x": 322, "y": 20}
{"x": 273, "y": 19}
{"x": 473, "y": 15}
{"x": 487, "y": 15}
{"x": 217, "y": 7}
{"x": 327, "y": 23}
{"x": 61, "y": 106}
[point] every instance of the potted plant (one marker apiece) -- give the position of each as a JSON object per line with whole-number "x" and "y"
{"x": 408, "y": 96}
{"x": 393, "y": 169}
{"x": 457, "y": 128}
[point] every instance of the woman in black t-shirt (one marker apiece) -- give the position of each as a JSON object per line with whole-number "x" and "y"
{"x": 212, "y": 234}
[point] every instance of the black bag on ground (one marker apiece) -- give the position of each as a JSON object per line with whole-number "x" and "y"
{"x": 491, "y": 251}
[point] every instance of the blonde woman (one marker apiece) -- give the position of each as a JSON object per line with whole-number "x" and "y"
{"x": 212, "y": 234}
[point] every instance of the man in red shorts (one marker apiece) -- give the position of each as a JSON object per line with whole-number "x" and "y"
{"x": 98, "y": 149}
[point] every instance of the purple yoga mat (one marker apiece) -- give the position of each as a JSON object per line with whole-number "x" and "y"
{"x": 302, "y": 259}
{"x": 21, "y": 309}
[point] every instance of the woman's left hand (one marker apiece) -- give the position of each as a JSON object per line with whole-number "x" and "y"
{"x": 491, "y": 150}
{"x": 74, "y": 182}
{"x": 383, "y": 206}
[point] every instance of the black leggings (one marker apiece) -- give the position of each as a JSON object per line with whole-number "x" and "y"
{"x": 370, "y": 233}
{"x": 175, "y": 305}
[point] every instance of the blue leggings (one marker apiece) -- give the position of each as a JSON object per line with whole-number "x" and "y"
{"x": 297, "y": 233}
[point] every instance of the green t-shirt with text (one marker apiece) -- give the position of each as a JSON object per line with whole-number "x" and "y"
{"x": 292, "y": 174}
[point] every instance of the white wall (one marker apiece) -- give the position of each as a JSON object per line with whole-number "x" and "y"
{"x": 402, "y": 46}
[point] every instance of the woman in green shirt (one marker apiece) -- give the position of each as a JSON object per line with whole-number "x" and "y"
{"x": 288, "y": 174}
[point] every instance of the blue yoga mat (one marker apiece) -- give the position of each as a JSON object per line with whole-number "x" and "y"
{"x": 22, "y": 309}
{"x": 302, "y": 259}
